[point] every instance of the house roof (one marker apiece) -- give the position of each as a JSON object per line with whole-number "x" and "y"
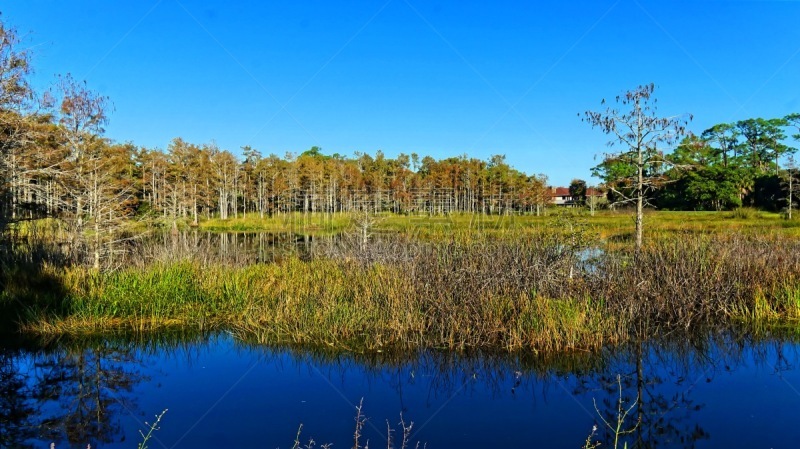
{"x": 559, "y": 191}
{"x": 564, "y": 191}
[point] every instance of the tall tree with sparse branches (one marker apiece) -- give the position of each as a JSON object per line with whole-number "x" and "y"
{"x": 636, "y": 170}
{"x": 15, "y": 123}
{"x": 792, "y": 186}
{"x": 82, "y": 114}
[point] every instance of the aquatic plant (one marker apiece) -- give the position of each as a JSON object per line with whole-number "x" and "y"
{"x": 150, "y": 429}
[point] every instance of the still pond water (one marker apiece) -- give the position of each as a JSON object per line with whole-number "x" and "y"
{"x": 719, "y": 391}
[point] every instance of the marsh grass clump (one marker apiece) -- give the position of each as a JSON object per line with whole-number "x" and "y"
{"x": 517, "y": 291}
{"x": 744, "y": 213}
{"x": 681, "y": 283}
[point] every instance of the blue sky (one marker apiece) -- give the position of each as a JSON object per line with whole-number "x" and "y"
{"x": 436, "y": 78}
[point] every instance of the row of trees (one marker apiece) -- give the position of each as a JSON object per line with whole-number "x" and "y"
{"x": 55, "y": 162}
{"x": 734, "y": 164}
{"x": 94, "y": 182}
{"x": 730, "y": 165}
{"x": 190, "y": 180}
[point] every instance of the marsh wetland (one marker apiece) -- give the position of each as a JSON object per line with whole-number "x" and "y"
{"x": 238, "y": 286}
{"x": 514, "y": 332}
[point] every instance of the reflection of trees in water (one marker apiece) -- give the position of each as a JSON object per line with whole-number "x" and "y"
{"x": 247, "y": 248}
{"x": 77, "y": 391}
{"x": 73, "y": 395}
{"x": 76, "y": 394}
{"x": 17, "y": 406}
{"x": 659, "y": 377}
{"x": 84, "y": 391}
{"x": 232, "y": 248}
{"x": 659, "y": 389}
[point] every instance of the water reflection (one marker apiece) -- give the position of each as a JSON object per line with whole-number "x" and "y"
{"x": 235, "y": 248}
{"x": 247, "y": 248}
{"x": 72, "y": 392}
{"x": 227, "y": 393}
{"x": 82, "y": 392}
{"x": 17, "y": 404}
{"x": 645, "y": 398}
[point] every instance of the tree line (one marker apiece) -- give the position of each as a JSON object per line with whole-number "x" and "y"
{"x": 56, "y": 162}
{"x": 726, "y": 166}
{"x": 190, "y": 180}
{"x": 729, "y": 165}
{"x": 744, "y": 163}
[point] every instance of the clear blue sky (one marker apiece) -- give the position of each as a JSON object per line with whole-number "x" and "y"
{"x": 436, "y": 78}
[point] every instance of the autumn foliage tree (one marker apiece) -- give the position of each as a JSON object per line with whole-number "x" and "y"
{"x": 15, "y": 125}
{"x": 97, "y": 191}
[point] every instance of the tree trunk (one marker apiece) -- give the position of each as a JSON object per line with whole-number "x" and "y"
{"x": 194, "y": 205}
{"x": 791, "y": 188}
{"x": 640, "y": 202}
{"x": 96, "y": 243}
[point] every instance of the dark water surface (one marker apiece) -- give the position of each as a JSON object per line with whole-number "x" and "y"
{"x": 221, "y": 393}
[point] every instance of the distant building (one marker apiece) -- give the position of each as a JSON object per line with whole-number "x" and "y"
{"x": 560, "y": 196}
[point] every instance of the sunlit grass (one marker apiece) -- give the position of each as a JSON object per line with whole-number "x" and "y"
{"x": 528, "y": 292}
{"x": 295, "y": 222}
{"x": 610, "y": 225}
{"x": 613, "y": 225}
{"x": 456, "y": 282}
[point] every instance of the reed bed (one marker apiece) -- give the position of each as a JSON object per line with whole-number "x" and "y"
{"x": 296, "y": 222}
{"x": 616, "y": 224}
{"x": 527, "y": 292}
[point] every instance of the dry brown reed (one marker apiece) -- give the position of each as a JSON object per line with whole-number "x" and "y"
{"x": 528, "y": 291}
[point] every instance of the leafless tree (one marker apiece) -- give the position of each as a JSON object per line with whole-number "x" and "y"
{"x": 638, "y": 166}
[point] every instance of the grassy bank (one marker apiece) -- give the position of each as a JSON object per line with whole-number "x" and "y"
{"x": 544, "y": 292}
{"x": 322, "y": 302}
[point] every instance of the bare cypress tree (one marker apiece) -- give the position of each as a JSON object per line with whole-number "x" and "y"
{"x": 790, "y": 183}
{"x": 82, "y": 114}
{"x": 636, "y": 170}
{"x": 15, "y": 132}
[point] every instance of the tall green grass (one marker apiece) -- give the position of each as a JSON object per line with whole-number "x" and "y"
{"x": 608, "y": 224}
{"x": 295, "y": 222}
{"x": 522, "y": 291}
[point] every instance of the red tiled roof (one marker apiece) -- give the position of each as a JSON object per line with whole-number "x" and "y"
{"x": 560, "y": 191}
{"x": 564, "y": 191}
